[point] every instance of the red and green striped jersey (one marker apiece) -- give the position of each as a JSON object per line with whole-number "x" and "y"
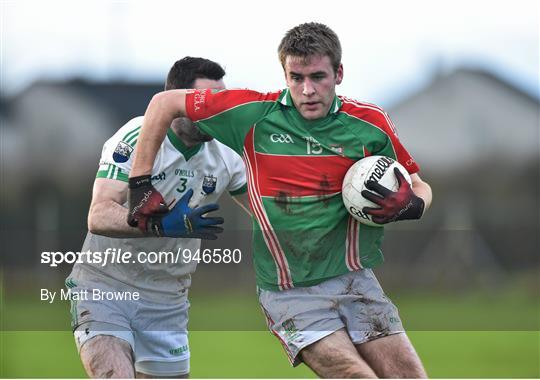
{"x": 303, "y": 234}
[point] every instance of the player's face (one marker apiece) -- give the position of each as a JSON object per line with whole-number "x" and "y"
{"x": 312, "y": 82}
{"x": 191, "y": 135}
{"x": 202, "y": 83}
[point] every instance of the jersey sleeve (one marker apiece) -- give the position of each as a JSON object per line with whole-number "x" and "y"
{"x": 389, "y": 145}
{"x": 228, "y": 115}
{"x": 116, "y": 156}
{"x": 394, "y": 147}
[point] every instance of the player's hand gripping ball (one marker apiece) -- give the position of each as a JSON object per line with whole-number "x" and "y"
{"x": 377, "y": 190}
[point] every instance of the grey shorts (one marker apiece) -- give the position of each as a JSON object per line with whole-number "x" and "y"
{"x": 156, "y": 332}
{"x": 355, "y": 301}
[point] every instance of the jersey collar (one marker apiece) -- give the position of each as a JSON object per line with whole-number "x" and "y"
{"x": 179, "y": 145}
{"x": 286, "y": 99}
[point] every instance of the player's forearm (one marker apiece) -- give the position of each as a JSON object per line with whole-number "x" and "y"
{"x": 162, "y": 110}
{"x": 108, "y": 218}
{"x": 422, "y": 190}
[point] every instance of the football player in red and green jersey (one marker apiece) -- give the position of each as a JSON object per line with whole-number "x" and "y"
{"x": 312, "y": 259}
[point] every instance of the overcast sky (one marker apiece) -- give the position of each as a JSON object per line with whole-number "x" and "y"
{"x": 390, "y": 47}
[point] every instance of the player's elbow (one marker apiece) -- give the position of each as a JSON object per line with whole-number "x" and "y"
{"x": 93, "y": 221}
{"x": 169, "y": 103}
{"x": 93, "y": 225}
{"x": 157, "y": 100}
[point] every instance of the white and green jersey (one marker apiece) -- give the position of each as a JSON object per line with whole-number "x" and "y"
{"x": 209, "y": 169}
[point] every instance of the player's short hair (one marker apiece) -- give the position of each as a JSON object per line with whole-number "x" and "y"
{"x": 185, "y": 71}
{"x": 310, "y": 39}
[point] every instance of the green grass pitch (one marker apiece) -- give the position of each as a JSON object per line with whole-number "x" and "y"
{"x": 254, "y": 352}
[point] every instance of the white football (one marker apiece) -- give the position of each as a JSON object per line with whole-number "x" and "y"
{"x": 376, "y": 168}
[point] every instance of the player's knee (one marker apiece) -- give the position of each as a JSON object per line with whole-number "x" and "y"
{"x": 96, "y": 367}
{"x": 107, "y": 357}
{"x": 352, "y": 368}
{"x": 404, "y": 368}
{"x": 344, "y": 368}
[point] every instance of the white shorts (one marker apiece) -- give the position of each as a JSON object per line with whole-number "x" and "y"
{"x": 156, "y": 332}
{"x": 355, "y": 301}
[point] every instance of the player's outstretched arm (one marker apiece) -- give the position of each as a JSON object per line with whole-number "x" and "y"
{"x": 107, "y": 215}
{"x": 162, "y": 110}
{"x": 143, "y": 198}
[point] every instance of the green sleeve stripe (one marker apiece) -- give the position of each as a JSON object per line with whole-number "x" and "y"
{"x": 109, "y": 172}
{"x": 132, "y": 139}
{"x": 122, "y": 177}
{"x": 104, "y": 173}
{"x": 129, "y": 134}
{"x": 114, "y": 172}
{"x": 101, "y": 174}
{"x": 239, "y": 191}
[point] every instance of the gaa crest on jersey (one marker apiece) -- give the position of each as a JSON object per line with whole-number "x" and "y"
{"x": 122, "y": 152}
{"x": 209, "y": 184}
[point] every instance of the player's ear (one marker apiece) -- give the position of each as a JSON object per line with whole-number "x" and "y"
{"x": 339, "y": 74}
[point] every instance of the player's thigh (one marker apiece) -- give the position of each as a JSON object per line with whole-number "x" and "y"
{"x": 106, "y": 356}
{"x": 335, "y": 356}
{"x": 392, "y": 356}
{"x": 367, "y": 312}
{"x": 299, "y": 317}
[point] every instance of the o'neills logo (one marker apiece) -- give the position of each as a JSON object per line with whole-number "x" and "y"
{"x": 381, "y": 166}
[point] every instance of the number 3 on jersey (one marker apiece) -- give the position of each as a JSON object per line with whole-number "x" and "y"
{"x": 182, "y": 187}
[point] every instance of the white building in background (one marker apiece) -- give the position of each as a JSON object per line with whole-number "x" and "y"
{"x": 476, "y": 138}
{"x": 59, "y": 128}
{"x": 466, "y": 117}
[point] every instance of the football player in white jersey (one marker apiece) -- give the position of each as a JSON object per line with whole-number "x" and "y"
{"x": 145, "y": 333}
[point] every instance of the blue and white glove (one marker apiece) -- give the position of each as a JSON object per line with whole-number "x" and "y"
{"x": 186, "y": 222}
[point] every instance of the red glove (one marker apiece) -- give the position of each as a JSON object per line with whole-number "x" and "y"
{"x": 143, "y": 200}
{"x": 399, "y": 205}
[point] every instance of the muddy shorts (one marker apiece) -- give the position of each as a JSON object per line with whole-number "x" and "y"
{"x": 355, "y": 301}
